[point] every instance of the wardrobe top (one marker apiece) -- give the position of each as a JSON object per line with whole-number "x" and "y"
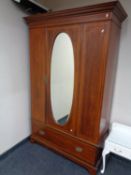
{"x": 115, "y": 7}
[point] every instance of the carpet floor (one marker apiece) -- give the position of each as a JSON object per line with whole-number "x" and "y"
{"x": 33, "y": 159}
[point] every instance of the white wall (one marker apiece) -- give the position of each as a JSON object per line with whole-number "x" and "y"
{"x": 121, "y": 110}
{"x": 14, "y": 76}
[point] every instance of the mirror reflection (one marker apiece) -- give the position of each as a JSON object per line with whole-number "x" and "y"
{"x": 62, "y": 78}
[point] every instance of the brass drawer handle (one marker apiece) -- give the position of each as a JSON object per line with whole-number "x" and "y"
{"x": 42, "y": 132}
{"x": 79, "y": 149}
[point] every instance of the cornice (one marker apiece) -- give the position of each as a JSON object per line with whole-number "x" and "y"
{"x": 114, "y": 6}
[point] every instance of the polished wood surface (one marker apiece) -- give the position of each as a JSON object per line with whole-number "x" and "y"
{"x": 69, "y": 144}
{"x": 95, "y": 33}
{"x": 93, "y": 61}
{"x": 37, "y": 69}
{"x": 110, "y": 76}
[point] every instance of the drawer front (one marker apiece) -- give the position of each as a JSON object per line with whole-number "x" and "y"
{"x": 71, "y": 145}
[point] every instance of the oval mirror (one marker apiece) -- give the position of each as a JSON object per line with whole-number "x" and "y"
{"x": 62, "y": 78}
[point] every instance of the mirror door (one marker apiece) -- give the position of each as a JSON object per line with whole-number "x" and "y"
{"x": 62, "y": 74}
{"x": 62, "y": 78}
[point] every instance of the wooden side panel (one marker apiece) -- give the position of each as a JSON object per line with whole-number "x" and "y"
{"x": 93, "y": 63}
{"x": 110, "y": 77}
{"x": 37, "y": 68}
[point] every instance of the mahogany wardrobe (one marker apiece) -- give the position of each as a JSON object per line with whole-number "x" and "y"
{"x": 73, "y": 60}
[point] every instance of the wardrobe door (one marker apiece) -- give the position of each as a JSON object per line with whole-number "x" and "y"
{"x": 93, "y": 67}
{"x": 57, "y": 99}
{"x": 37, "y": 68}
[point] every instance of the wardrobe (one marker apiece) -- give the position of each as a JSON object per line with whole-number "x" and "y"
{"x": 73, "y": 61}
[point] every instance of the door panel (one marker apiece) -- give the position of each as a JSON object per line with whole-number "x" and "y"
{"x": 74, "y": 34}
{"x": 93, "y": 63}
{"x": 37, "y": 69}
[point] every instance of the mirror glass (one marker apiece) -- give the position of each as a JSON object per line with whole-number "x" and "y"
{"x": 62, "y": 78}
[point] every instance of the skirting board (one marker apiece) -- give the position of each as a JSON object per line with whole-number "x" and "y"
{"x": 5, "y": 154}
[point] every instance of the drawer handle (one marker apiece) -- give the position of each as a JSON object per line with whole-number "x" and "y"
{"x": 79, "y": 149}
{"x": 42, "y": 132}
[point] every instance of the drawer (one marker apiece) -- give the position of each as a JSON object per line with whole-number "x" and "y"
{"x": 71, "y": 145}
